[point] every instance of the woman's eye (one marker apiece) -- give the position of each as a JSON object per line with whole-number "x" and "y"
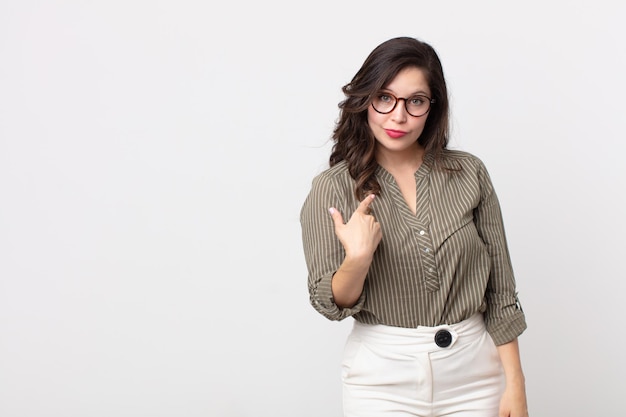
{"x": 417, "y": 101}
{"x": 385, "y": 98}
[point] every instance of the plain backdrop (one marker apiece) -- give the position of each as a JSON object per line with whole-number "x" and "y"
{"x": 154, "y": 156}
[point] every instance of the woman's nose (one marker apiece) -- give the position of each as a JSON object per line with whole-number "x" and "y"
{"x": 399, "y": 114}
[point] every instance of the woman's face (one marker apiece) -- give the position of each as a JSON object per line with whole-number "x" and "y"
{"x": 397, "y": 131}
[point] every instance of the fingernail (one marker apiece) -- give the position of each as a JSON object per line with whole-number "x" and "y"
{"x": 331, "y": 210}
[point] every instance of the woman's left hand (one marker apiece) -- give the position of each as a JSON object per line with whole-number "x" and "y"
{"x": 513, "y": 402}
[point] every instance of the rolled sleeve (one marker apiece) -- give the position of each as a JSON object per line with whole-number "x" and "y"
{"x": 322, "y": 250}
{"x": 504, "y": 316}
{"x": 321, "y": 297}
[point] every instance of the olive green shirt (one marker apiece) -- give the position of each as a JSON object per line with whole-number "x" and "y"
{"x": 437, "y": 267}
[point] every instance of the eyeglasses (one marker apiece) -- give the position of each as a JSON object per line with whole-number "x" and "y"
{"x": 417, "y": 105}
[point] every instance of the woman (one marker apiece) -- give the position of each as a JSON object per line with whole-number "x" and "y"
{"x": 407, "y": 237}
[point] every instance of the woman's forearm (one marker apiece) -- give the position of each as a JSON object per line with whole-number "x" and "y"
{"x": 511, "y": 362}
{"x": 348, "y": 281}
{"x": 514, "y": 403}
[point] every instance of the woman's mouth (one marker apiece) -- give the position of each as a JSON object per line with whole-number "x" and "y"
{"x": 395, "y": 133}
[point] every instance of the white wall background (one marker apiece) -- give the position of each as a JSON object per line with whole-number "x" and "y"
{"x": 154, "y": 156}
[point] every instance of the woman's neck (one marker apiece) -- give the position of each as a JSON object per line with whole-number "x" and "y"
{"x": 409, "y": 160}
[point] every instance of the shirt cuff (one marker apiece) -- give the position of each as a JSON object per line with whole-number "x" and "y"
{"x": 505, "y": 330}
{"x": 322, "y": 300}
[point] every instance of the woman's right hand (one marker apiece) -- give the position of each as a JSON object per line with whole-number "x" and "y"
{"x": 362, "y": 234}
{"x": 360, "y": 238}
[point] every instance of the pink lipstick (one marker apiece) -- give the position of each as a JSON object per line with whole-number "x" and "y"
{"x": 395, "y": 133}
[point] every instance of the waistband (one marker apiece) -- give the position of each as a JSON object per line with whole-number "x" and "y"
{"x": 421, "y": 338}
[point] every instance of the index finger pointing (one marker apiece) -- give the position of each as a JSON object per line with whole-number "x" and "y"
{"x": 365, "y": 204}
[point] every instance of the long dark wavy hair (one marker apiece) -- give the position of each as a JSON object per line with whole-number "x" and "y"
{"x": 354, "y": 140}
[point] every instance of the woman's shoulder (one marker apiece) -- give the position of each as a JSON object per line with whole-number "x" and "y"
{"x": 338, "y": 172}
{"x": 331, "y": 183}
{"x": 458, "y": 155}
{"x": 455, "y": 159}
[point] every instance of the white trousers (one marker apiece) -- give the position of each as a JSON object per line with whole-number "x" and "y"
{"x": 399, "y": 372}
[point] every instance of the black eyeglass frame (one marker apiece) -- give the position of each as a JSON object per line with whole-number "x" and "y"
{"x": 430, "y": 101}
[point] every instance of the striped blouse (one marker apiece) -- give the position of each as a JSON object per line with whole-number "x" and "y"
{"x": 437, "y": 267}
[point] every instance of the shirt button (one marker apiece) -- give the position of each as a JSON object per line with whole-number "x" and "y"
{"x": 426, "y": 250}
{"x": 443, "y": 338}
{"x": 422, "y": 232}
{"x": 430, "y": 269}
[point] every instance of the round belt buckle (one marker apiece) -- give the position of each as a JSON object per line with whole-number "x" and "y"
{"x": 443, "y": 338}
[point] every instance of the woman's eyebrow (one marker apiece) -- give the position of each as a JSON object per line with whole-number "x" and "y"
{"x": 416, "y": 93}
